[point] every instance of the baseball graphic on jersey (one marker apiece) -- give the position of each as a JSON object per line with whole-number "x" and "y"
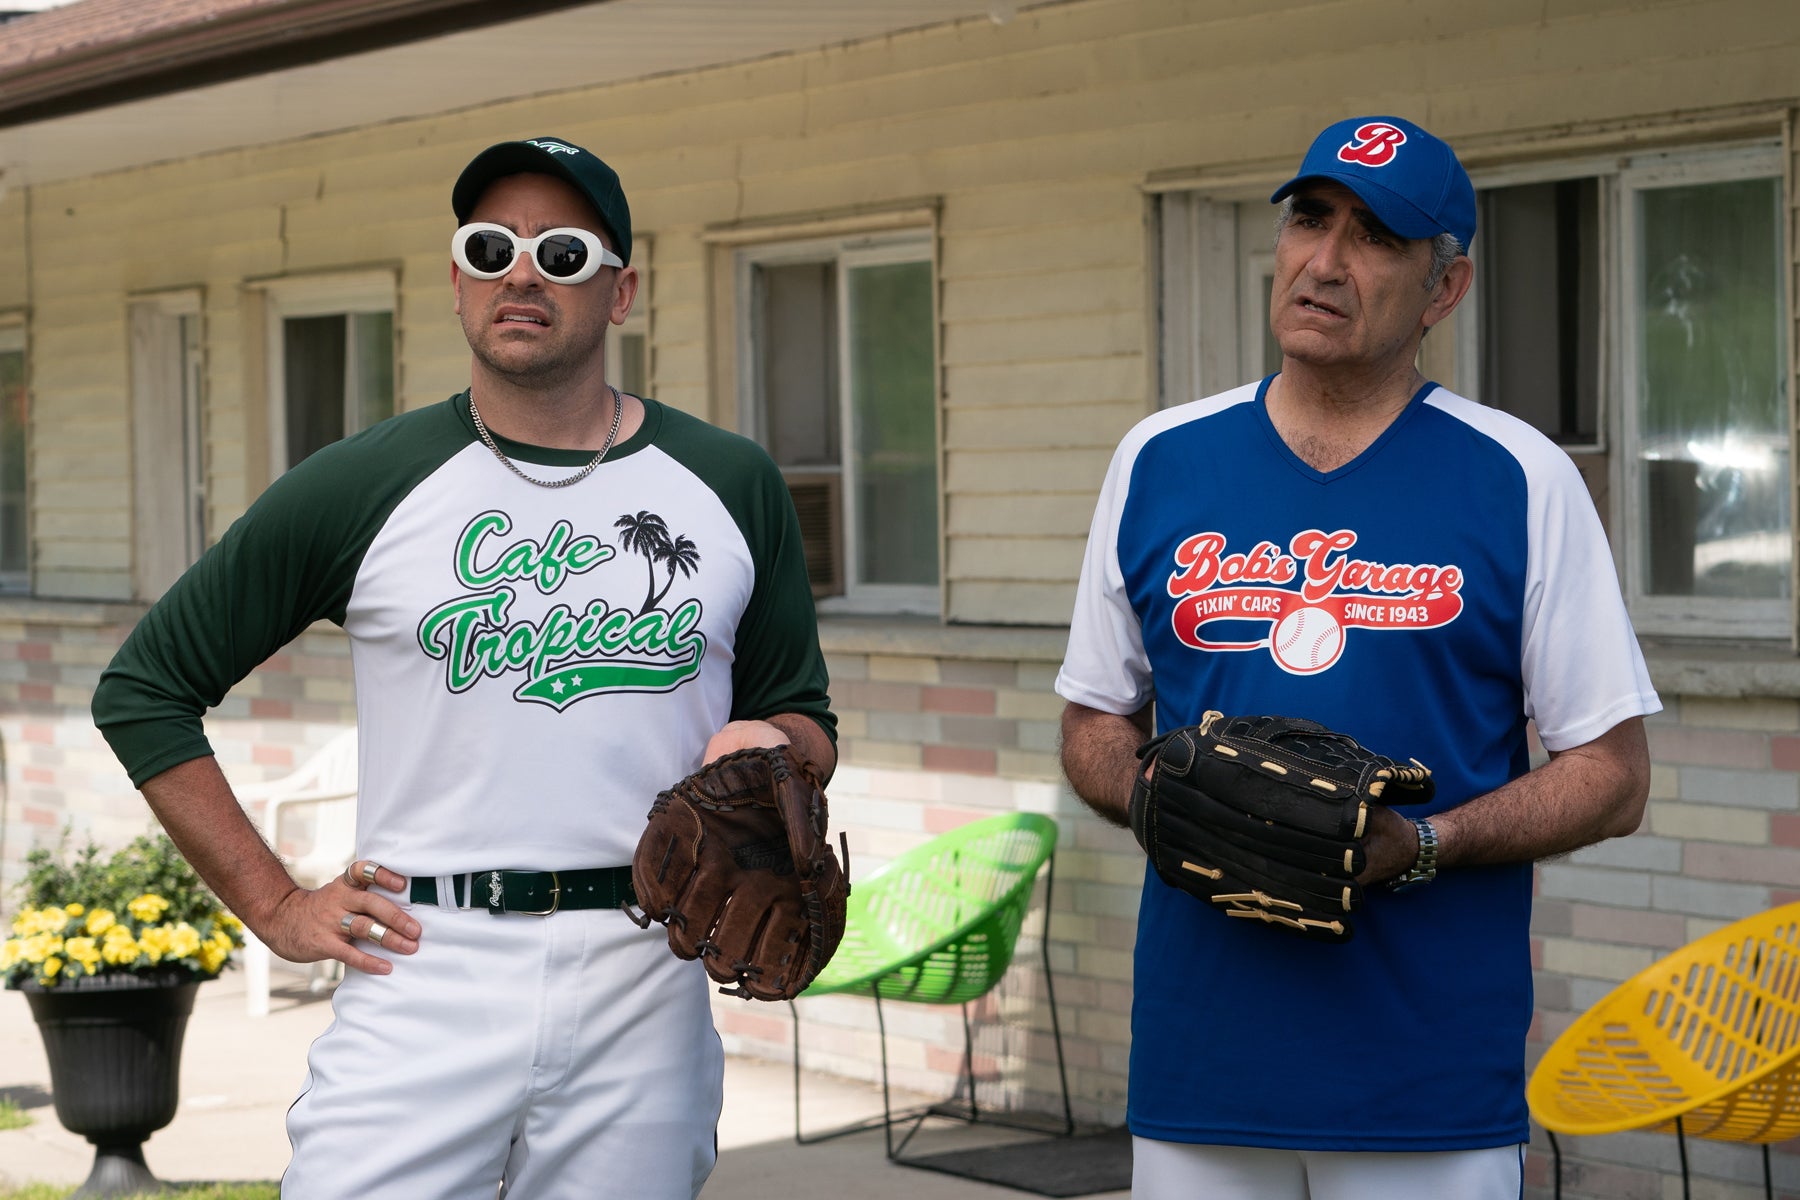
{"x": 1307, "y": 640}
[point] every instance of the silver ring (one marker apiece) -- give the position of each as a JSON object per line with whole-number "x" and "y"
{"x": 377, "y": 931}
{"x": 344, "y": 923}
{"x": 368, "y": 872}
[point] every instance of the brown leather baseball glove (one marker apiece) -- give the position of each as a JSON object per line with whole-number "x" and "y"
{"x": 736, "y": 864}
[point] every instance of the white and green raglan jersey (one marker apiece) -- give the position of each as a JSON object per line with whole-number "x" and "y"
{"x": 532, "y": 664}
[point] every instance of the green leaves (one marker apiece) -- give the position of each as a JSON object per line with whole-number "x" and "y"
{"x": 151, "y": 863}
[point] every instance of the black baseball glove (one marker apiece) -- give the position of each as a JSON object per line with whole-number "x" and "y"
{"x": 1262, "y": 817}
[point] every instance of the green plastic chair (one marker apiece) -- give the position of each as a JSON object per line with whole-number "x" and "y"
{"x": 938, "y": 925}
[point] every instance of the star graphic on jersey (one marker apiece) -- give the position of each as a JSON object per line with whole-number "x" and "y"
{"x": 556, "y": 685}
{"x": 575, "y": 679}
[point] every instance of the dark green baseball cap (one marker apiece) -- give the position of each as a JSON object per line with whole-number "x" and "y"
{"x": 581, "y": 168}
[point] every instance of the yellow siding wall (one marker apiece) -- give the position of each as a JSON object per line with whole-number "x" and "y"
{"x": 12, "y": 228}
{"x": 1033, "y": 136}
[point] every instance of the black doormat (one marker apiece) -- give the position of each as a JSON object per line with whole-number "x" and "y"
{"x": 1083, "y": 1165}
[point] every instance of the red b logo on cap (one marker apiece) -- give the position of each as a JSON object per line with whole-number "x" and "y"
{"x": 1373, "y": 145}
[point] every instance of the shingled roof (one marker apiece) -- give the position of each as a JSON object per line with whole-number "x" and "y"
{"x": 100, "y": 52}
{"x": 96, "y": 26}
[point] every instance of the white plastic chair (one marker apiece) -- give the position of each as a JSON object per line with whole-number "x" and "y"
{"x": 327, "y": 783}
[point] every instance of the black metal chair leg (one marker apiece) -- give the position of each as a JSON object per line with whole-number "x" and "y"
{"x": 1681, "y": 1145}
{"x": 917, "y": 1116}
{"x": 887, "y": 1108}
{"x": 1768, "y": 1178}
{"x": 1556, "y": 1158}
{"x": 969, "y": 1065}
{"x": 1062, "y": 1071}
{"x": 884, "y": 1121}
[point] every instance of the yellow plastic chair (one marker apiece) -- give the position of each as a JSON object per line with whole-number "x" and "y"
{"x": 1705, "y": 1042}
{"x": 938, "y": 925}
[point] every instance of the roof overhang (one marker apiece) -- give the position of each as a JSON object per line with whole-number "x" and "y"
{"x": 281, "y": 71}
{"x": 240, "y": 43}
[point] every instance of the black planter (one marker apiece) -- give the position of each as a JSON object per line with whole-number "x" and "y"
{"x": 114, "y": 1045}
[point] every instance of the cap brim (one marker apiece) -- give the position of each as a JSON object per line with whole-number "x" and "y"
{"x": 1391, "y": 209}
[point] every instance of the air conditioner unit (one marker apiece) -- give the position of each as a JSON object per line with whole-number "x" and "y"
{"x": 818, "y": 499}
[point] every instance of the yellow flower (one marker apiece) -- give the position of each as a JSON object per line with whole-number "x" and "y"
{"x": 51, "y": 967}
{"x": 84, "y": 951}
{"x": 155, "y": 942}
{"x": 120, "y": 951}
{"x": 48, "y": 920}
{"x": 101, "y": 920}
{"x": 22, "y": 921}
{"x": 148, "y": 907}
{"x": 74, "y": 910}
{"x": 213, "y": 956}
{"x": 12, "y": 952}
{"x": 41, "y": 946}
{"x": 229, "y": 923}
{"x": 184, "y": 941}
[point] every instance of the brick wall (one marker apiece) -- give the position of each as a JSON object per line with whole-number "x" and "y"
{"x": 60, "y": 773}
{"x": 933, "y": 739}
{"x": 1721, "y": 841}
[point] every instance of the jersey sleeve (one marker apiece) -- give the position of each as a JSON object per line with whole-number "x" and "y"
{"x": 1106, "y": 667}
{"x": 1582, "y": 668}
{"x": 289, "y": 561}
{"x": 777, "y": 666}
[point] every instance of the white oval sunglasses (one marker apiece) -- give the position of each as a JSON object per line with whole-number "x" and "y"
{"x": 564, "y": 255}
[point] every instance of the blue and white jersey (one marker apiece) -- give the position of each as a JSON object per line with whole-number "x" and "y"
{"x": 1428, "y": 598}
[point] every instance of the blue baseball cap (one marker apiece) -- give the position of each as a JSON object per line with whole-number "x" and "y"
{"x": 580, "y": 167}
{"x": 1409, "y": 179}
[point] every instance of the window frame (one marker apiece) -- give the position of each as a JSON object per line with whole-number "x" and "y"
{"x": 1620, "y": 178}
{"x": 15, "y": 337}
{"x": 346, "y": 294}
{"x": 175, "y": 306}
{"x": 1253, "y": 332}
{"x": 637, "y": 324}
{"x": 1465, "y": 322}
{"x": 847, "y": 252}
{"x": 1687, "y": 615}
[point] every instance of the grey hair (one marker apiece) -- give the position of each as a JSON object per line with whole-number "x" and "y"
{"x": 1445, "y": 249}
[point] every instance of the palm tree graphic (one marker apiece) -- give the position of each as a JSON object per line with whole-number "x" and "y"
{"x": 682, "y": 554}
{"x": 648, "y": 534}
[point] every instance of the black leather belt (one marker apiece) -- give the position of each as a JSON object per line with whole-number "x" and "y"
{"x": 532, "y": 893}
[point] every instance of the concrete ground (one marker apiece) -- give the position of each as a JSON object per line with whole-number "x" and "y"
{"x": 239, "y": 1074}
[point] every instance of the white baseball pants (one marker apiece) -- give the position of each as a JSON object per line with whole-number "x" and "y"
{"x": 537, "y": 1058}
{"x": 1181, "y": 1171}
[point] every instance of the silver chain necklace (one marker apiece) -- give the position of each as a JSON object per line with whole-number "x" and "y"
{"x": 488, "y": 438}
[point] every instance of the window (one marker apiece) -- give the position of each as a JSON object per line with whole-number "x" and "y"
{"x": 628, "y": 355}
{"x": 1632, "y": 309}
{"x": 1705, "y": 373}
{"x": 841, "y": 387}
{"x": 331, "y": 362}
{"x": 167, "y": 445}
{"x": 1656, "y": 280}
{"x": 15, "y": 558}
{"x": 1539, "y": 317}
{"x": 628, "y": 345}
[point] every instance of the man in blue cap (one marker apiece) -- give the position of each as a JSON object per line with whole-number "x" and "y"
{"x": 1350, "y": 543}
